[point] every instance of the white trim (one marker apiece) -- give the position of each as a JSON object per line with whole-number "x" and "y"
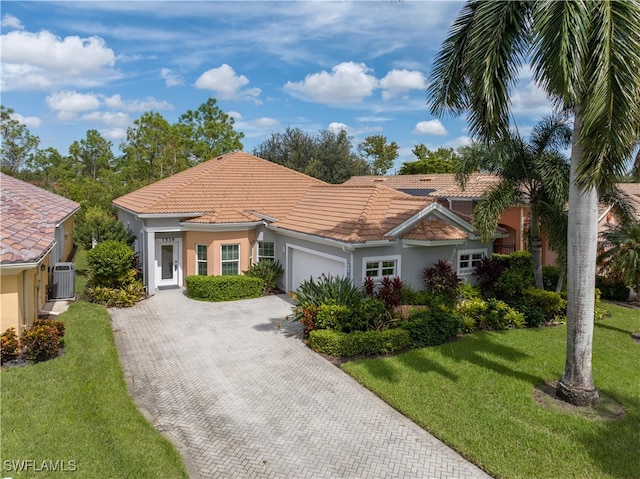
{"x": 198, "y": 261}
{"x": 370, "y": 259}
{"x": 469, "y": 270}
{"x": 216, "y": 227}
{"x": 231, "y": 261}
{"x": 437, "y": 210}
{"x": 418, "y": 243}
{"x": 258, "y": 257}
{"x": 177, "y": 260}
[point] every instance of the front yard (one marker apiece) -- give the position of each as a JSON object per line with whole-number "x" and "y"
{"x": 477, "y": 395}
{"x": 74, "y": 414}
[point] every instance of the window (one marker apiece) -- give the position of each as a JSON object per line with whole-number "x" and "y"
{"x": 380, "y": 267}
{"x": 230, "y": 255}
{"x": 469, "y": 259}
{"x": 266, "y": 250}
{"x": 201, "y": 259}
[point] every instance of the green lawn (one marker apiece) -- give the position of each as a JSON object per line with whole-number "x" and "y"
{"x": 476, "y": 394}
{"x": 76, "y": 408}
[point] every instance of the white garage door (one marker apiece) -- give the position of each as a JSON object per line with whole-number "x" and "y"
{"x": 305, "y": 264}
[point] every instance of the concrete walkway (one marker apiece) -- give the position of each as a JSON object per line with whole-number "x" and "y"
{"x": 241, "y": 396}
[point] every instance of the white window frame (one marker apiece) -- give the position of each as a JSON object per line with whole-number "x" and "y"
{"x": 467, "y": 270}
{"x": 200, "y": 261}
{"x": 260, "y": 257}
{"x": 227, "y": 261}
{"x": 380, "y": 260}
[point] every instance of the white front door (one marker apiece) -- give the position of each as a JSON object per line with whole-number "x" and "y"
{"x": 167, "y": 262}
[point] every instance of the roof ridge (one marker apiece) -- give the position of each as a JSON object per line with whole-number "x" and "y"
{"x": 361, "y": 221}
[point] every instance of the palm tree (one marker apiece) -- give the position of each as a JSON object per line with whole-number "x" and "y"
{"x": 621, "y": 256}
{"x": 586, "y": 56}
{"x": 535, "y": 172}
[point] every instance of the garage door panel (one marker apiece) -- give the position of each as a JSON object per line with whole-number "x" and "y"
{"x": 305, "y": 265}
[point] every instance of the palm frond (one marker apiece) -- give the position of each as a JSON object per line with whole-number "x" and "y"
{"x": 621, "y": 204}
{"x": 486, "y": 214}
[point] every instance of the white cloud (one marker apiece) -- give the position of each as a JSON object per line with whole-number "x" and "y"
{"x": 30, "y": 121}
{"x": 10, "y": 21}
{"x": 170, "y": 78}
{"x": 531, "y": 100}
{"x": 115, "y": 134}
{"x": 227, "y": 84}
{"x": 348, "y": 82}
{"x": 235, "y": 115}
{"x": 336, "y": 127}
{"x": 431, "y": 127}
{"x": 116, "y": 102}
{"x": 72, "y": 101}
{"x": 459, "y": 141}
{"x": 42, "y": 61}
{"x": 109, "y": 118}
{"x": 266, "y": 122}
{"x": 401, "y": 81}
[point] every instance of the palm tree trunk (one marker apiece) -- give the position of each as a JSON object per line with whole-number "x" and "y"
{"x": 535, "y": 242}
{"x": 576, "y": 385}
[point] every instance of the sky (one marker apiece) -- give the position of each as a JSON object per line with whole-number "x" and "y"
{"x": 68, "y": 67}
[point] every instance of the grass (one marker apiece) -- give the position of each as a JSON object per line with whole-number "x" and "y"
{"x": 476, "y": 394}
{"x": 81, "y": 265}
{"x": 77, "y": 408}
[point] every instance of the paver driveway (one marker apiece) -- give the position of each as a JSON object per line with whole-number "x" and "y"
{"x": 244, "y": 398}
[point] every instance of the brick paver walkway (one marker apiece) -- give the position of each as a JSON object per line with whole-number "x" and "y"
{"x": 244, "y": 398}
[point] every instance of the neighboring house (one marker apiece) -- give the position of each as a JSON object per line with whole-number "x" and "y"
{"x": 36, "y": 232}
{"x": 221, "y": 216}
{"x": 607, "y": 218}
{"x": 446, "y": 190}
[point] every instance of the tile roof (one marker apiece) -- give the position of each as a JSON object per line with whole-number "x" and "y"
{"x": 232, "y": 188}
{"x": 29, "y": 218}
{"x": 352, "y": 213}
{"x": 632, "y": 191}
{"x": 440, "y": 185}
{"x": 435, "y": 229}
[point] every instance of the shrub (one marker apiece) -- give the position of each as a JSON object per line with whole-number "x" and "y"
{"x": 468, "y": 291}
{"x": 550, "y": 275}
{"x": 510, "y": 285}
{"x": 268, "y": 271}
{"x": 488, "y": 271}
{"x": 123, "y": 297}
{"x": 59, "y": 325}
{"x": 9, "y": 345}
{"x": 109, "y": 264}
{"x": 40, "y": 343}
{"x": 333, "y": 316}
{"x": 552, "y": 304}
{"x": 390, "y": 291}
{"x": 473, "y": 308}
{"x": 327, "y": 289}
{"x": 358, "y": 343}
{"x": 223, "y": 288}
{"x": 611, "y": 288}
{"x": 441, "y": 279}
{"x": 431, "y": 327}
{"x": 101, "y": 225}
{"x": 371, "y": 313}
{"x": 490, "y": 314}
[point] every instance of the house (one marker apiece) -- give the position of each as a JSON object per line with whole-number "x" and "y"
{"x": 446, "y": 190}
{"x": 222, "y": 215}
{"x": 36, "y": 233}
{"x": 607, "y": 217}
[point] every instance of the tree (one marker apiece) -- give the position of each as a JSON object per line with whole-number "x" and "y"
{"x": 99, "y": 225}
{"x": 535, "y": 172}
{"x": 586, "y": 57}
{"x": 91, "y": 155}
{"x": 327, "y": 156}
{"x": 208, "y": 132}
{"x": 379, "y": 154}
{"x": 635, "y": 169}
{"x": 621, "y": 256}
{"x": 18, "y": 144}
{"x": 443, "y": 160}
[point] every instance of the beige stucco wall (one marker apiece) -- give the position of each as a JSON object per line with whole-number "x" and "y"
{"x": 10, "y": 300}
{"x": 68, "y": 226}
{"x": 214, "y": 241}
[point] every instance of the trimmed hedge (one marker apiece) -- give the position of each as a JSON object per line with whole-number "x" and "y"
{"x": 432, "y": 327}
{"x": 357, "y": 343}
{"x": 224, "y": 288}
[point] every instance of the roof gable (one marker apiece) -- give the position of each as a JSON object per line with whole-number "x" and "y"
{"x": 29, "y": 217}
{"x": 226, "y": 189}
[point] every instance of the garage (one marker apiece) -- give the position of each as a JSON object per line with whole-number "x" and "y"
{"x": 304, "y": 264}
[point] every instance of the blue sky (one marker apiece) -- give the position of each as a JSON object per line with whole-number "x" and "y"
{"x": 68, "y": 67}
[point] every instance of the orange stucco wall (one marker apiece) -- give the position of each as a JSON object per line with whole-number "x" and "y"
{"x": 214, "y": 241}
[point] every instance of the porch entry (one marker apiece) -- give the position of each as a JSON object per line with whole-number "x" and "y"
{"x": 168, "y": 265}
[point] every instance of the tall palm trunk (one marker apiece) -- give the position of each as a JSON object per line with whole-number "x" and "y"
{"x": 535, "y": 243}
{"x": 576, "y": 385}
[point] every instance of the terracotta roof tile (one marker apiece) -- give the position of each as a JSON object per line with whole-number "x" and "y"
{"x": 632, "y": 191}
{"x": 29, "y": 217}
{"x": 223, "y": 190}
{"x": 352, "y": 213}
{"x": 435, "y": 229}
{"x": 440, "y": 185}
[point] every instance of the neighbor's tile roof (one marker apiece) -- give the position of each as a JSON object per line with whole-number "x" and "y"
{"x": 231, "y": 188}
{"x": 435, "y": 229}
{"x": 29, "y": 218}
{"x": 352, "y": 213}
{"x": 632, "y": 191}
{"x": 440, "y": 185}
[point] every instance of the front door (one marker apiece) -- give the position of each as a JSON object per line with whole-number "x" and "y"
{"x": 167, "y": 263}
